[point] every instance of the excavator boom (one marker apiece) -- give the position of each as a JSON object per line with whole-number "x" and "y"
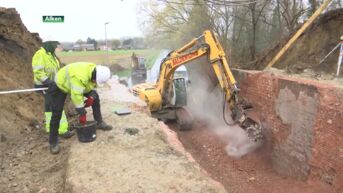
{"x": 165, "y": 103}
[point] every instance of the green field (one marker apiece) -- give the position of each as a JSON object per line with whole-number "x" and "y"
{"x": 103, "y": 52}
{"x": 121, "y": 57}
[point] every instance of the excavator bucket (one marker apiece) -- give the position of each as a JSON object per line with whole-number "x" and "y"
{"x": 250, "y": 126}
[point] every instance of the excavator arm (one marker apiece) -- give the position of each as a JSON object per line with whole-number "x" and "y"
{"x": 206, "y": 44}
{"x": 158, "y": 96}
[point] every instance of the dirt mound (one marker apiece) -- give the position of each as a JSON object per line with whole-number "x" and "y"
{"x": 17, "y": 47}
{"x": 312, "y": 46}
{"x": 23, "y": 167}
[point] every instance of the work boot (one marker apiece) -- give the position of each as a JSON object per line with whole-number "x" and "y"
{"x": 55, "y": 149}
{"x": 104, "y": 126}
{"x": 67, "y": 134}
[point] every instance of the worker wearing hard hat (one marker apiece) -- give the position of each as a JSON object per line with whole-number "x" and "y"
{"x": 79, "y": 80}
{"x": 45, "y": 65}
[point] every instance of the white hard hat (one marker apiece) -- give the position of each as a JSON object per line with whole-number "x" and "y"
{"x": 103, "y": 73}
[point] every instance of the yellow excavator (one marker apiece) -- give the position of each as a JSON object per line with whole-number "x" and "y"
{"x": 167, "y": 98}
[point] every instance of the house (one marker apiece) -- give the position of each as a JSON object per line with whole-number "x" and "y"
{"x": 83, "y": 47}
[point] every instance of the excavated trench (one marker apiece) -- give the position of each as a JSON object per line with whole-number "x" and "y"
{"x": 303, "y": 128}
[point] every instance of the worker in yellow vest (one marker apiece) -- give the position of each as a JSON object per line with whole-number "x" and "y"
{"x": 45, "y": 65}
{"x": 79, "y": 80}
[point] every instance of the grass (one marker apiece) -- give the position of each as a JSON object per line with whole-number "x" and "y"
{"x": 121, "y": 57}
{"x": 143, "y": 52}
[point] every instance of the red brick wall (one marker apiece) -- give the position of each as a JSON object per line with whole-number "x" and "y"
{"x": 303, "y": 121}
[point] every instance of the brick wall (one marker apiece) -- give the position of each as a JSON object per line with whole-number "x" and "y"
{"x": 304, "y": 124}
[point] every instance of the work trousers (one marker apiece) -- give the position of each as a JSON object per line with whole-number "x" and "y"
{"x": 58, "y": 98}
{"x": 63, "y": 128}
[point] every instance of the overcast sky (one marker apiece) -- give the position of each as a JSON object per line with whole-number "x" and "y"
{"x": 82, "y": 18}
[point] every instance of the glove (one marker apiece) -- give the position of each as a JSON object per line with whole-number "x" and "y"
{"x": 48, "y": 82}
{"x": 82, "y": 112}
{"x": 89, "y": 101}
{"x": 83, "y": 119}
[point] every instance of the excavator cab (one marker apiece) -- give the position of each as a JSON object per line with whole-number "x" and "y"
{"x": 179, "y": 98}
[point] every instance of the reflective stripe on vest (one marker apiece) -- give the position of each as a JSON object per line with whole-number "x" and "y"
{"x": 38, "y": 67}
{"x": 72, "y": 86}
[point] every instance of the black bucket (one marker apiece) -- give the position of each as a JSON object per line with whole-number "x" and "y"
{"x": 87, "y": 132}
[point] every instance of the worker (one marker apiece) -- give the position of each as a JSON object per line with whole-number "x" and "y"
{"x": 45, "y": 65}
{"x": 79, "y": 80}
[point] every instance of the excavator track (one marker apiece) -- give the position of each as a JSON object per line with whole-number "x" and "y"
{"x": 183, "y": 119}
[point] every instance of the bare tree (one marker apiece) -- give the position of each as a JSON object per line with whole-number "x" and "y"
{"x": 291, "y": 11}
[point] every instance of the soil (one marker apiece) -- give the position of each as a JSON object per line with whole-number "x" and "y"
{"x": 24, "y": 164}
{"x": 312, "y": 74}
{"x": 135, "y": 156}
{"x": 311, "y": 47}
{"x": 251, "y": 173}
{"x": 27, "y": 165}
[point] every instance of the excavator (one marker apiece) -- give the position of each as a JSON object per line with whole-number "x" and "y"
{"x": 167, "y": 98}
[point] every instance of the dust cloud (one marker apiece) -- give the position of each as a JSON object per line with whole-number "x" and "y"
{"x": 206, "y": 101}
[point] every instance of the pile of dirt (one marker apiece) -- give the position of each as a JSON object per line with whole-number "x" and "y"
{"x": 25, "y": 163}
{"x": 311, "y": 47}
{"x": 17, "y": 47}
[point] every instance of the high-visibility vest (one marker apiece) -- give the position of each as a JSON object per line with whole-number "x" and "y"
{"x": 44, "y": 65}
{"x": 75, "y": 79}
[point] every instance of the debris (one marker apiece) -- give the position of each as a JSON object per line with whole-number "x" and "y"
{"x": 2, "y": 138}
{"x": 123, "y": 81}
{"x": 123, "y": 111}
{"x": 131, "y": 131}
{"x": 43, "y": 190}
{"x": 329, "y": 121}
{"x": 251, "y": 179}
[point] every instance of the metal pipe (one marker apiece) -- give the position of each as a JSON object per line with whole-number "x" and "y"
{"x": 329, "y": 53}
{"x": 23, "y": 90}
{"x": 340, "y": 58}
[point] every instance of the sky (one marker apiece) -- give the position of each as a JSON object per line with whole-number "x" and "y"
{"x": 82, "y": 18}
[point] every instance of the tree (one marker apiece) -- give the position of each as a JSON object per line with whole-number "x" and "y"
{"x": 166, "y": 22}
{"x": 244, "y": 27}
{"x": 138, "y": 43}
{"x": 127, "y": 43}
{"x": 291, "y": 11}
{"x": 79, "y": 41}
{"x": 92, "y": 41}
{"x": 115, "y": 43}
{"x": 313, "y": 7}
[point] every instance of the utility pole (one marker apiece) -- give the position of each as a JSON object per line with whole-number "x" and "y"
{"x": 107, "y": 56}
